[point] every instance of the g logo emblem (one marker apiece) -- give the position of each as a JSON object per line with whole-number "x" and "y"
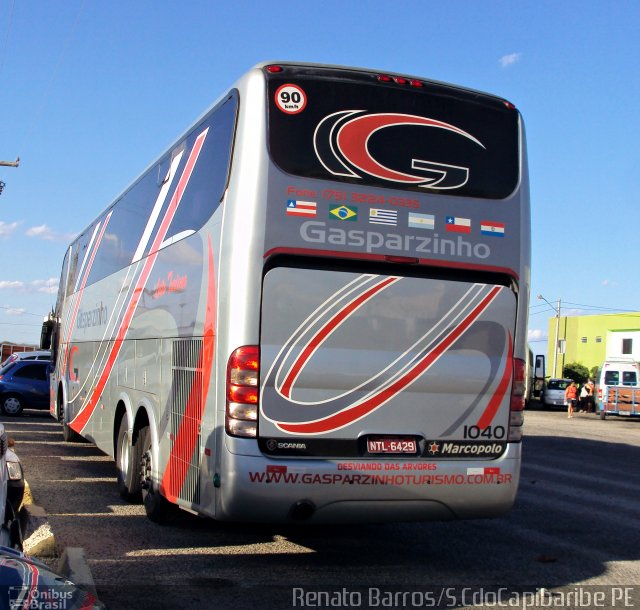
{"x": 341, "y": 143}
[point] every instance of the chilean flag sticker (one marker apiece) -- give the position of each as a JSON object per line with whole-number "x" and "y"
{"x": 489, "y": 227}
{"x": 455, "y": 224}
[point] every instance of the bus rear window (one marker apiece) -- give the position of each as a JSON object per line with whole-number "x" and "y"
{"x": 435, "y": 139}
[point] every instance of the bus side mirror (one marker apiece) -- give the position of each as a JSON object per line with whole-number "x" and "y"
{"x": 45, "y": 337}
{"x": 46, "y": 333}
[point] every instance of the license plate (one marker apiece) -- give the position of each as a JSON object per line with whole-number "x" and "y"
{"x": 392, "y": 445}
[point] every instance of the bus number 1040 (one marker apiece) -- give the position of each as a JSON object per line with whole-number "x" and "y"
{"x": 490, "y": 432}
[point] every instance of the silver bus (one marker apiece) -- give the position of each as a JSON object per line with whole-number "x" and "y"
{"x": 312, "y": 307}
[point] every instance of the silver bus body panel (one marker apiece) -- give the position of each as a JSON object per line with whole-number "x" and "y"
{"x": 368, "y": 491}
{"x": 208, "y": 293}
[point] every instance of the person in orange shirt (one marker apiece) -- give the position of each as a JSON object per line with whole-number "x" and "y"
{"x": 571, "y": 397}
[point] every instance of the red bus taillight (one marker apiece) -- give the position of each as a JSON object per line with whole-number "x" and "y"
{"x": 516, "y": 415}
{"x": 242, "y": 392}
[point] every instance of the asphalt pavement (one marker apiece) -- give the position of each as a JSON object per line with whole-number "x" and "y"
{"x": 573, "y": 534}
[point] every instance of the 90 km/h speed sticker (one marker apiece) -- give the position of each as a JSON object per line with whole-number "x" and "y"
{"x": 291, "y": 99}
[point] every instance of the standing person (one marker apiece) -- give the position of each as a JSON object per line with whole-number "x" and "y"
{"x": 571, "y": 397}
{"x": 591, "y": 405}
{"x": 584, "y": 398}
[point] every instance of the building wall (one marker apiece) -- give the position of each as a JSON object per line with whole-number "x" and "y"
{"x": 615, "y": 342}
{"x": 589, "y": 340}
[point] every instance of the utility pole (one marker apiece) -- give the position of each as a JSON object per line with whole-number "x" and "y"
{"x": 555, "y": 353}
{"x": 556, "y": 309}
{"x": 8, "y": 164}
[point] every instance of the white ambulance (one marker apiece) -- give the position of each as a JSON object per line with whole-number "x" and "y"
{"x": 618, "y": 390}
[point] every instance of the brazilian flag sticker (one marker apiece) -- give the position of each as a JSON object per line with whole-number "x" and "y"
{"x": 343, "y": 212}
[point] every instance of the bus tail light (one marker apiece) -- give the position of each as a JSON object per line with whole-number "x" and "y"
{"x": 516, "y": 415}
{"x": 242, "y": 392}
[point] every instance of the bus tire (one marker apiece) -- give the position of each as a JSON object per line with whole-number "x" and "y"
{"x": 128, "y": 464}
{"x": 68, "y": 435}
{"x": 158, "y": 508}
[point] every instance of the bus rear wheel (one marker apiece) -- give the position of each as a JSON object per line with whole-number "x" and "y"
{"x": 157, "y": 507}
{"x": 128, "y": 461}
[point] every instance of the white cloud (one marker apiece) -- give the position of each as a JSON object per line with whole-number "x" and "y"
{"x": 47, "y": 233}
{"x": 42, "y": 232}
{"x": 609, "y": 283}
{"x": 535, "y": 334}
{"x": 14, "y": 311}
{"x": 508, "y": 60}
{"x": 6, "y": 229}
{"x": 10, "y": 285}
{"x": 49, "y": 286}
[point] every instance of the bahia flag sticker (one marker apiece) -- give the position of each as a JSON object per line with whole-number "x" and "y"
{"x": 488, "y": 227}
{"x": 455, "y": 224}
{"x": 422, "y": 221}
{"x": 301, "y": 208}
{"x": 383, "y": 217}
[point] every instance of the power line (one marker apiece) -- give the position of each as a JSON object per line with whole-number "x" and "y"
{"x": 22, "y": 313}
{"x": 47, "y": 91}
{"x": 597, "y": 308}
{"x": 19, "y": 324}
{"x": 589, "y": 307}
{"x": 535, "y": 313}
{"x": 5, "y": 41}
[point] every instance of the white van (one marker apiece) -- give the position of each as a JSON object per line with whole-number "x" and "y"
{"x": 618, "y": 389}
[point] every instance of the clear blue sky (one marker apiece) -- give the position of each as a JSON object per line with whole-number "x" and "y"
{"x": 91, "y": 92}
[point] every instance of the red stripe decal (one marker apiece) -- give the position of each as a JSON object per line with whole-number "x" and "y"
{"x": 80, "y": 421}
{"x": 348, "y": 416}
{"x": 494, "y": 404}
{"x": 185, "y": 441}
{"x": 87, "y": 270}
{"x": 326, "y": 330}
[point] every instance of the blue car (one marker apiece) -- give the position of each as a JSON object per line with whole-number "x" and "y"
{"x": 24, "y": 383}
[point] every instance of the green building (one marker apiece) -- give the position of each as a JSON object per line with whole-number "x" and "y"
{"x": 590, "y": 340}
